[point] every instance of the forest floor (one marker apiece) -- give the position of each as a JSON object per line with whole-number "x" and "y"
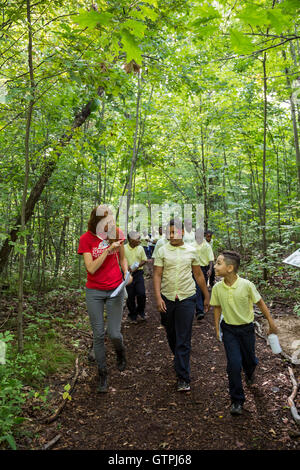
{"x": 143, "y": 410}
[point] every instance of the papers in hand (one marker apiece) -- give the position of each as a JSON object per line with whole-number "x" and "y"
{"x": 293, "y": 259}
{"x": 121, "y": 286}
{"x": 134, "y": 266}
{"x": 220, "y": 329}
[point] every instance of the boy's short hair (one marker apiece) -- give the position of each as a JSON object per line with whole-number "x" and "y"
{"x": 208, "y": 232}
{"x": 133, "y": 235}
{"x": 232, "y": 257}
{"x": 176, "y": 223}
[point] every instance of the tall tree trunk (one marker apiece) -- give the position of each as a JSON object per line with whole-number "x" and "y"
{"x": 148, "y": 199}
{"x": 264, "y": 234}
{"x": 294, "y": 119}
{"x": 80, "y": 231}
{"x": 134, "y": 149}
{"x": 58, "y": 247}
{"x": 224, "y": 200}
{"x": 26, "y": 178}
{"x": 205, "y": 202}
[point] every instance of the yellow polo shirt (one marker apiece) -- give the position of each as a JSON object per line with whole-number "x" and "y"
{"x": 204, "y": 252}
{"x": 134, "y": 254}
{"x": 144, "y": 242}
{"x": 236, "y": 301}
{"x": 160, "y": 242}
{"x": 177, "y": 262}
{"x": 189, "y": 237}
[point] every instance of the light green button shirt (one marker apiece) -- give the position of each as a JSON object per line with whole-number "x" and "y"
{"x": 189, "y": 237}
{"x": 134, "y": 254}
{"x": 177, "y": 262}
{"x": 162, "y": 241}
{"x": 236, "y": 301}
{"x": 204, "y": 252}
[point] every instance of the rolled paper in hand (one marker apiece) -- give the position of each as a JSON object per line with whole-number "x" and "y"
{"x": 274, "y": 343}
{"x": 135, "y": 265}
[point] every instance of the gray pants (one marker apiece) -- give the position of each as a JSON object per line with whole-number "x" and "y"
{"x": 95, "y": 300}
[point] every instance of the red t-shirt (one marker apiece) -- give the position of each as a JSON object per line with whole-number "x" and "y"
{"x": 109, "y": 275}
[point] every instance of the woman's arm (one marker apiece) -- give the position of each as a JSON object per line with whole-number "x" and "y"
{"x": 123, "y": 260}
{"x": 91, "y": 265}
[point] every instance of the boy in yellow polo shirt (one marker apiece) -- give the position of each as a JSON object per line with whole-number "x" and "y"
{"x": 136, "y": 258}
{"x": 234, "y": 298}
{"x": 175, "y": 294}
{"x": 206, "y": 257}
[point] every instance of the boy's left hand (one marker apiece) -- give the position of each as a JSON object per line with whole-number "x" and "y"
{"x": 206, "y": 304}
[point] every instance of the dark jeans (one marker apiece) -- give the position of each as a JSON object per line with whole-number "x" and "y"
{"x": 136, "y": 295}
{"x": 147, "y": 251}
{"x": 212, "y": 277}
{"x": 199, "y": 294}
{"x": 239, "y": 343}
{"x": 178, "y": 321}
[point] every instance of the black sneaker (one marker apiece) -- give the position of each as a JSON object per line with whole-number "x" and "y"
{"x": 250, "y": 380}
{"x": 102, "y": 387}
{"x": 132, "y": 320}
{"x": 183, "y": 386}
{"x": 236, "y": 409}
{"x": 121, "y": 360}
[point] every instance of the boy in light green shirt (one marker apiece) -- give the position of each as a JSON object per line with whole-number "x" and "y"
{"x": 136, "y": 258}
{"x": 234, "y": 298}
{"x": 206, "y": 258}
{"x": 162, "y": 240}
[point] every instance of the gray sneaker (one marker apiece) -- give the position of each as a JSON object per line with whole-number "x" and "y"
{"x": 183, "y": 386}
{"x": 102, "y": 387}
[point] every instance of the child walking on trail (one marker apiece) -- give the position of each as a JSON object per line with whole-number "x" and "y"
{"x": 136, "y": 258}
{"x": 234, "y": 298}
{"x": 206, "y": 258}
{"x": 175, "y": 293}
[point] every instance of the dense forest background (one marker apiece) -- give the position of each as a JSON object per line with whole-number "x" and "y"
{"x": 161, "y": 100}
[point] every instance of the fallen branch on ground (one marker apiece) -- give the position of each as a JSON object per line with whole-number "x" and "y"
{"x": 53, "y": 417}
{"x": 292, "y": 396}
{"x": 52, "y": 442}
{"x": 1, "y": 326}
{"x": 86, "y": 333}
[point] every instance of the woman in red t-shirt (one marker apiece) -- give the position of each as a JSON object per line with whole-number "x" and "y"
{"x": 103, "y": 258}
